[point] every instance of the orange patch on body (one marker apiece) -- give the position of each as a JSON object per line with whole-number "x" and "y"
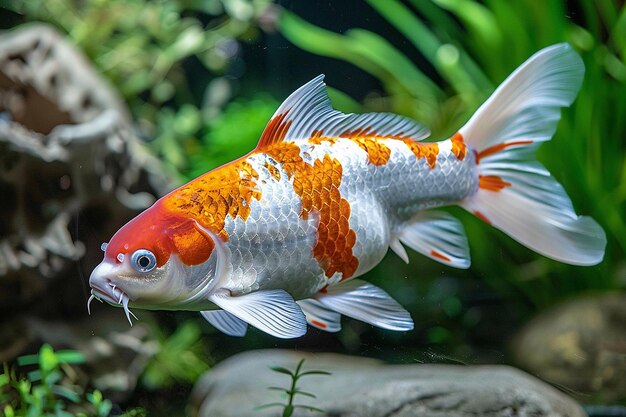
{"x": 459, "y": 149}
{"x": 318, "y": 187}
{"x": 428, "y": 151}
{"x": 227, "y": 190}
{"x": 492, "y": 183}
{"x": 274, "y": 172}
{"x": 440, "y": 256}
{"x": 377, "y": 152}
{"x": 316, "y": 140}
{"x": 500, "y": 147}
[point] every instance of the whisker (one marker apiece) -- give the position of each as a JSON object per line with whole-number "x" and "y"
{"x": 89, "y": 302}
{"x": 127, "y": 310}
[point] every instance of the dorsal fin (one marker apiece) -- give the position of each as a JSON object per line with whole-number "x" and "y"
{"x": 307, "y": 113}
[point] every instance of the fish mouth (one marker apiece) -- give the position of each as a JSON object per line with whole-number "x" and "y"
{"x": 102, "y": 289}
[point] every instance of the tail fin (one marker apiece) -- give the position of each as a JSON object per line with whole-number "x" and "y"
{"x": 516, "y": 193}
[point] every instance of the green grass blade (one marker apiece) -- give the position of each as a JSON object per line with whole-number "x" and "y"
{"x": 428, "y": 44}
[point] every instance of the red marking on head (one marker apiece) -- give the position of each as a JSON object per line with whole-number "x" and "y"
{"x": 492, "y": 183}
{"x": 459, "y": 149}
{"x": 319, "y": 324}
{"x": 163, "y": 233}
{"x": 500, "y": 147}
{"x": 440, "y": 256}
{"x": 317, "y": 185}
{"x": 482, "y": 217}
{"x": 275, "y": 131}
{"x": 177, "y": 223}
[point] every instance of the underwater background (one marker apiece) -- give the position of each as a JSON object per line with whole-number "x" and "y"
{"x": 191, "y": 84}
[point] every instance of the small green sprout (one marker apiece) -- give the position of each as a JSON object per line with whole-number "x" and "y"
{"x": 51, "y": 389}
{"x": 293, "y": 390}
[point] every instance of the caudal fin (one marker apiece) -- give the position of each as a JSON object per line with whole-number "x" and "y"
{"x": 516, "y": 193}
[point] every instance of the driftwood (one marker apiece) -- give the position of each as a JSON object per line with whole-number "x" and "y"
{"x": 72, "y": 170}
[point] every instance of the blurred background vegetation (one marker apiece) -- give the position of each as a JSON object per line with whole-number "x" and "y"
{"x": 202, "y": 78}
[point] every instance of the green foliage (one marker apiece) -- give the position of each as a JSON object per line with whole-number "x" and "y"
{"x": 51, "y": 389}
{"x": 232, "y": 133}
{"x": 293, "y": 390}
{"x": 141, "y": 46}
{"x": 472, "y": 46}
{"x": 180, "y": 358}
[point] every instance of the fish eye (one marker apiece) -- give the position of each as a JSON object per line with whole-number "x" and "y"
{"x": 143, "y": 260}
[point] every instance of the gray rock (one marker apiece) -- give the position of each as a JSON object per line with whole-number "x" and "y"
{"x": 360, "y": 387}
{"x": 579, "y": 345}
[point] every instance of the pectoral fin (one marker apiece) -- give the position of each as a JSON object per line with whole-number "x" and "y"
{"x": 226, "y": 322}
{"x": 272, "y": 311}
{"x": 366, "y": 302}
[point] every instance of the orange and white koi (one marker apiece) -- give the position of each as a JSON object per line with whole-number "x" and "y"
{"x": 277, "y": 238}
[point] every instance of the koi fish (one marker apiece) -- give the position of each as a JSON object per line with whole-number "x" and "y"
{"x": 277, "y": 238}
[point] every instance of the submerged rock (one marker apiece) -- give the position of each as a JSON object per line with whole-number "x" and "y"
{"x": 360, "y": 387}
{"x": 579, "y": 345}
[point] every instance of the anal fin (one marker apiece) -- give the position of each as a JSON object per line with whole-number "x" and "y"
{"x": 318, "y": 315}
{"x": 366, "y": 302}
{"x": 435, "y": 234}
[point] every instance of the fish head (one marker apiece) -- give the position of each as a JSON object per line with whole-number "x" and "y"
{"x": 159, "y": 260}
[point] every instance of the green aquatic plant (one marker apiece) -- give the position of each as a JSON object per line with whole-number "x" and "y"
{"x": 289, "y": 406}
{"x": 161, "y": 55}
{"x": 50, "y": 389}
{"x": 469, "y": 47}
{"x": 180, "y": 358}
{"x": 245, "y": 118}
